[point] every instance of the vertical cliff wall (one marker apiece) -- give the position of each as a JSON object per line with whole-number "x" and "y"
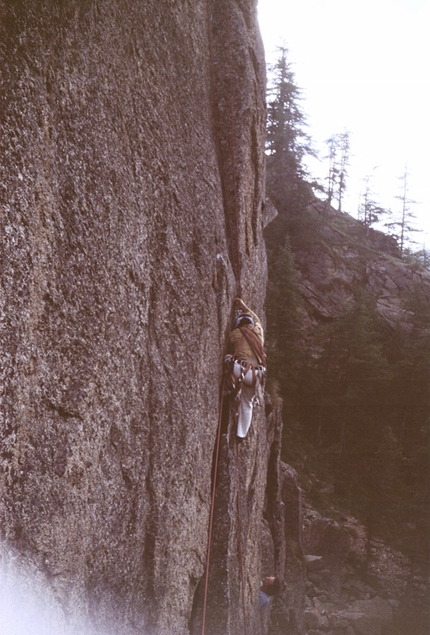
{"x": 131, "y": 214}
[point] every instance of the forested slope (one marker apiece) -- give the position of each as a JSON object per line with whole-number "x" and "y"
{"x": 349, "y": 345}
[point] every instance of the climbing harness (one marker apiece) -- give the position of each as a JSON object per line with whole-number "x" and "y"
{"x": 245, "y": 372}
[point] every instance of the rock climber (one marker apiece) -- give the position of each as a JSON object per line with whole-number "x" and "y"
{"x": 247, "y": 364}
{"x": 269, "y": 587}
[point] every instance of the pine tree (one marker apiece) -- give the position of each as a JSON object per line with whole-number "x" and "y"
{"x": 420, "y": 258}
{"x": 287, "y": 142}
{"x": 369, "y": 211}
{"x": 284, "y": 329}
{"x": 339, "y": 148}
{"x": 332, "y": 168}
{"x": 343, "y": 391}
{"x": 406, "y": 216}
{"x": 343, "y": 165}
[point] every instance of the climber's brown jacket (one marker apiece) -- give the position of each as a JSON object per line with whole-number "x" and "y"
{"x": 241, "y": 349}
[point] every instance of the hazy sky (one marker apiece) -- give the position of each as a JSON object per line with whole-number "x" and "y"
{"x": 363, "y": 66}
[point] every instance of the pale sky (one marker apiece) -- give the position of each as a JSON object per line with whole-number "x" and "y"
{"x": 363, "y": 66}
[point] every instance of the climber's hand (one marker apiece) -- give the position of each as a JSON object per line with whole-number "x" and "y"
{"x": 240, "y": 303}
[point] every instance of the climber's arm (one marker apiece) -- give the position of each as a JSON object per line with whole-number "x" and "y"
{"x": 240, "y": 304}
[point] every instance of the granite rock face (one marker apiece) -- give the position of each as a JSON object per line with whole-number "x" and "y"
{"x": 132, "y": 181}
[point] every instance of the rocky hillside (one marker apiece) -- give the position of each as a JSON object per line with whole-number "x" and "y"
{"x": 350, "y": 335}
{"x": 340, "y": 257}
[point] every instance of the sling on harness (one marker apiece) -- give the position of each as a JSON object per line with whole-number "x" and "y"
{"x": 238, "y": 368}
{"x": 244, "y": 371}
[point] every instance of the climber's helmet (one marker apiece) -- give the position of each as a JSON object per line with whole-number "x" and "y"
{"x": 244, "y": 320}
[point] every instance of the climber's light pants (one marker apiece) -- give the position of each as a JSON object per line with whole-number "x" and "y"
{"x": 250, "y": 382}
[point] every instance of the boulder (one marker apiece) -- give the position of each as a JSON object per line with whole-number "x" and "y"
{"x": 366, "y": 617}
{"x": 326, "y": 538}
{"x": 314, "y": 619}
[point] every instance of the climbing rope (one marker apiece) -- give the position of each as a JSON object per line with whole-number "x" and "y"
{"x": 212, "y": 508}
{"x": 239, "y": 539}
{"x": 211, "y": 518}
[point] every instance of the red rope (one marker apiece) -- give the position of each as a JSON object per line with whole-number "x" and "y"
{"x": 239, "y": 539}
{"x": 211, "y": 513}
{"x": 211, "y": 517}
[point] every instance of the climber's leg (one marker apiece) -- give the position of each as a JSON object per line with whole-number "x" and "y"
{"x": 245, "y": 411}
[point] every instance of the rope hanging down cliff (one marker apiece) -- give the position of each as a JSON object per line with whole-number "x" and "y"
{"x": 211, "y": 519}
{"x": 239, "y": 540}
{"x": 212, "y": 509}
{"x": 243, "y": 377}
